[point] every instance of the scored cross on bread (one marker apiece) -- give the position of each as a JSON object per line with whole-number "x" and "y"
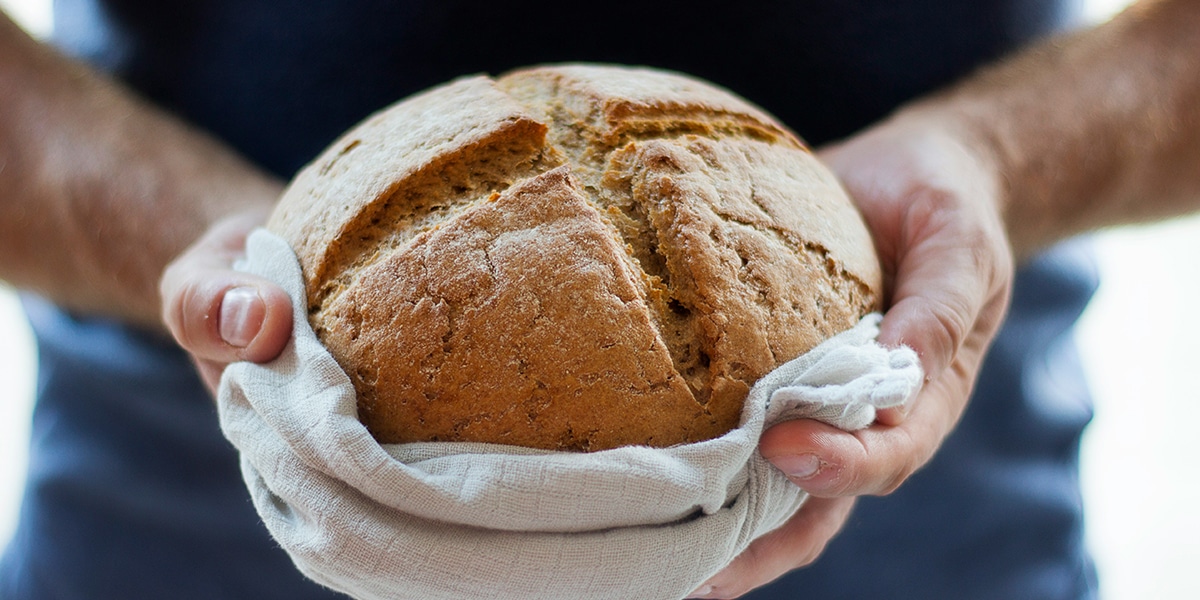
{"x": 572, "y": 257}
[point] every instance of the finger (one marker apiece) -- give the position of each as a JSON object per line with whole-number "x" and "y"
{"x": 945, "y": 299}
{"x": 952, "y": 270}
{"x": 223, "y": 316}
{"x": 218, "y": 314}
{"x": 796, "y": 543}
{"x": 932, "y": 211}
{"x": 894, "y": 415}
{"x": 826, "y": 461}
{"x": 953, "y": 264}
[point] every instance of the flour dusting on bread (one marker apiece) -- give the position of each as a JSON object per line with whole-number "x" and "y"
{"x": 572, "y": 257}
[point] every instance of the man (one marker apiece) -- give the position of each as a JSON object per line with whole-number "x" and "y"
{"x": 132, "y": 492}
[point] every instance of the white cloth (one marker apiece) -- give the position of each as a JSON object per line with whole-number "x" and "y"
{"x": 468, "y": 520}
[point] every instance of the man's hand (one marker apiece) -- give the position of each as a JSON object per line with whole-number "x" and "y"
{"x": 930, "y": 195}
{"x": 220, "y": 315}
{"x": 1095, "y": 129}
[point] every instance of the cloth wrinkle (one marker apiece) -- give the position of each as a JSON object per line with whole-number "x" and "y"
{"x": 455, "y": 520}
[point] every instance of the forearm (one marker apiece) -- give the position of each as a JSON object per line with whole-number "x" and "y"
{"x": 99, "y": 190}
{"x": 1099, "y": 128}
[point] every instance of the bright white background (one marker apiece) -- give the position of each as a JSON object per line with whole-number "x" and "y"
{"x": 17, "y": 363}
{"x": 1138, "y": 339}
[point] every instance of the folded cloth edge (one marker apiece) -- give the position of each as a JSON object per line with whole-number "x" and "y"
{"x": 333, "y": 506}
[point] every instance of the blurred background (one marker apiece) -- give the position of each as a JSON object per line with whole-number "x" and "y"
{"x": 1139, "y": 346}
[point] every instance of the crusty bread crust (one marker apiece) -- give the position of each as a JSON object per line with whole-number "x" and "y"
{"x": 572, "y": 257}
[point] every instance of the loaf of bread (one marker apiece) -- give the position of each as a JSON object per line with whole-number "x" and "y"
{"x": 571, "y": 257}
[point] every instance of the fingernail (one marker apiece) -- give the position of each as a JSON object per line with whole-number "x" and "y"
{"x": 800, "y": 466}
{"x": 702, "y": 592}
{"x": 242, "y": 312}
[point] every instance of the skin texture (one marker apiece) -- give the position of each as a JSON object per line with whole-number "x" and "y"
{"x": 1097, "y": 129}
{"x": 98, "y": 189}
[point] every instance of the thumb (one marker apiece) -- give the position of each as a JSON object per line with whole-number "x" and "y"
{"x": 220, "y": 315}
{"x": 224, "y": 316}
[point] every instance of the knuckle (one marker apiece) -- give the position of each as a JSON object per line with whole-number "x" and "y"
{"x": 913, "y": 455}
{"x": 951, "y": 324}
{"x": 809, "y": 554}
{"x": 743, "y": 574}
{"x": 893, "y": 482}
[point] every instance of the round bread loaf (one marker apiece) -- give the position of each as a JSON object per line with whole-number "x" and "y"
{"x": 571, "y": 257}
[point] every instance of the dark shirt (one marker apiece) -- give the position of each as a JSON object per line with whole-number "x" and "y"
{"x": 133, "y": 493}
